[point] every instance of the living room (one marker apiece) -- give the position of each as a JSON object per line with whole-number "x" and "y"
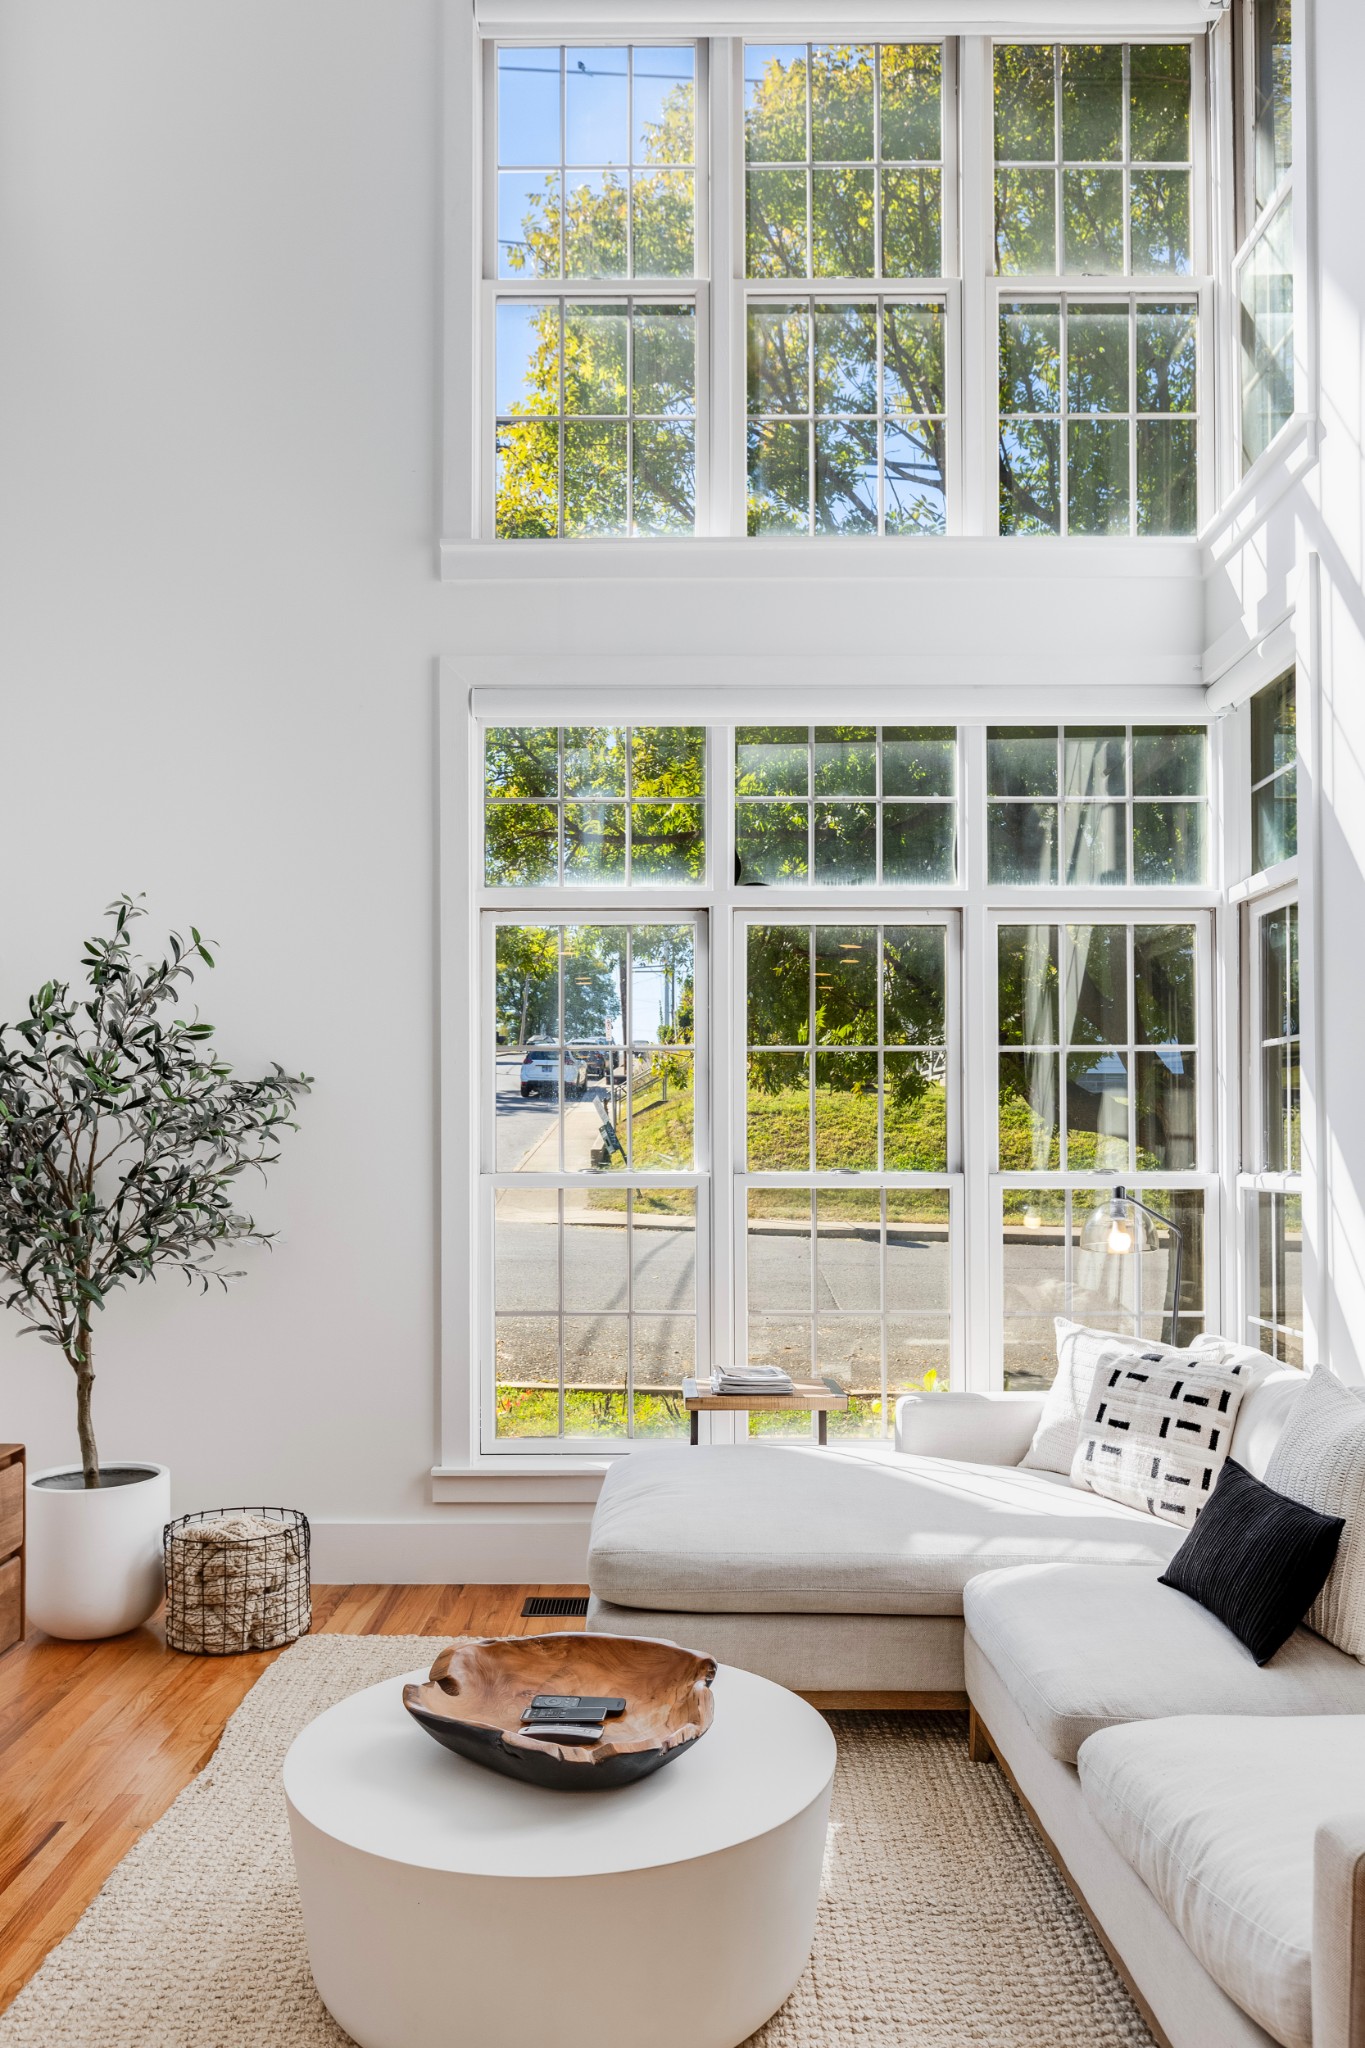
{"x": 677, "y": 1044}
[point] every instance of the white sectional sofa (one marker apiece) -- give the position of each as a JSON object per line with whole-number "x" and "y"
{"x": 842, "y": 1572}
{"x": 1209, "y": 1813}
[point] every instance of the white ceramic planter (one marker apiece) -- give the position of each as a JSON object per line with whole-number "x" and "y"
{"x": 94, "y": 1557}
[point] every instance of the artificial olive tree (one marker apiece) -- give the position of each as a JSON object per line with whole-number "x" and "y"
{"x": 122, "y": 1138}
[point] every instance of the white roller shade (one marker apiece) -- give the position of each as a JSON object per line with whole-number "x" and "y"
{"x": 1042, "y": 19}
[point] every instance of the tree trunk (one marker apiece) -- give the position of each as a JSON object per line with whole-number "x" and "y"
{"x": 85, "y": 1380}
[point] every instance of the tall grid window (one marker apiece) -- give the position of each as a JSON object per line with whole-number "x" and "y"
{"x": 596, "y": 1202}
{"x": 1263, "y": 271}
{"x": 864, "y": 1227}
{"x": 1274, "y": 774}
{"x": 595, "y": 394}
{"x": 1093, "y": 159}
{"x": 632, "y": 322}
{"x": 1114, "y": 805}
{"x": 848, "y": 1145}
{"x": 845, "y": 804}
{"x": 1098, "y": 416}
{"x": 1273, "y": 1149}
{"x": 1099, "y": 1051}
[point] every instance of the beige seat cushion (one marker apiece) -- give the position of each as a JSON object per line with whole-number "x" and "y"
{"x": 1082, "y": 1647}
{"x": 741, "y": 1529}
{"x": 1217, "y": 1817}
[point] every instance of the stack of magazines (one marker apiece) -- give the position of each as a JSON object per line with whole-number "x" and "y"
{"x": 751, "y": 1379}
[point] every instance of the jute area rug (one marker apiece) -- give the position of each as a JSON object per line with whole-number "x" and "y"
{"x": 942, "y": 1921}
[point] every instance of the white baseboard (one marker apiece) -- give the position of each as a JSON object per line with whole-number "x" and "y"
{"x": 468, "y": 1545}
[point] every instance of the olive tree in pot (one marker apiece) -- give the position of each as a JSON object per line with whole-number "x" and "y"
{"x": 123, "y": 1136}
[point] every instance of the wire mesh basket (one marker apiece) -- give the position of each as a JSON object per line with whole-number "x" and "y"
{"x": 237, "y": 1579}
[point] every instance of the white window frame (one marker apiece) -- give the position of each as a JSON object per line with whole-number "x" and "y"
{"x": 1252, "y": 1178}
{"x": 873, "y": 904}
{"x": 1097, "y": 907}
{"x": 970, "y": 292}
{"x": 1198, "y": 283}
{"x": 721, "y": 905}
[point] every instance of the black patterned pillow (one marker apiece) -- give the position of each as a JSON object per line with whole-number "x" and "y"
{"x": 1156, "y": 1429}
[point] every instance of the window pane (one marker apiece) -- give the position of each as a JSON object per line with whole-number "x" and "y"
{"x": 596, "y": 456}
{"x": 1273, "y": 83}
{"x": 912, "y": 223}
{"x": 1097, "y": 358}
{"x": 1092, "y": 221}
{"x": 772, "y": 760}
{"x": 528, "y": 106}
{"x": 919, "y": 760}
{"x": 1025, "y": 222}
{"x": 771, "y": 843}
{"x": 776, "y": 242}
{"x": 779, "y": 477}
{"x": 1097, "y": 476}
{"x": 1097, "y": 1112}
{"x": 1029, "y": 1110}
{"x": 1165, "y": 1011}
{"x": 1028, "y": 984}
{"x": 1159, "y": 221}
{"x": 1159, "y": 103}
{"x": 845, "y": 843}
{"x": 779, "y": 986}
{"x": 912, "y": 91}
{"x": 1166, "y": 476}
{"x": 919, "y": 843}
{"x": 775, "y": 102}
{"x": 1095, "y": 985}
{"x": 915, "y": 1112}
{"x": 662, "y": 104}
{"x": 1170, "y": 760}
{"x": 1275, "y": 821}
{"x": 1034, "y": 1249}
{"x": 1030, "y": 477}
{"x": 1024, "y": 102}
{"x": 1274, "y": 734}
{"x": 1169, "y": 844}
{"x": 1092, "y": 101}
{"x": 1030, "y": 357}
{"x": 1096, "y": 845}
{"x": 779, "y": 1249}
{"x": 1022, "y": 843}
{"x": 596, "y": 105}
{"x": 1267, "y": 330}
{"x": 843, "y": 222}
{"x": 779, "y": 1112}
{"x": 1165, "y": 1109}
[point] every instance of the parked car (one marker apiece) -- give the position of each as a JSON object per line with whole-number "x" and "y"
{"x": 546, "y": 1067}
{"x": 596, "y": 1062}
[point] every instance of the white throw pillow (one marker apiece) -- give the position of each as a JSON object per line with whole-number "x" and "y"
{"x": 1156, "y": 1430}
{"x": 1320, "y": 1461}
{"x": 1079, "y": 1351}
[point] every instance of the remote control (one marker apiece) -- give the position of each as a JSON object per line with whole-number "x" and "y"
{"x": 570, "y": 1732}
{"x": 576, "y": 1704}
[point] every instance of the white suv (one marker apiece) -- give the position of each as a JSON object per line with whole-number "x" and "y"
{"x": 544, "y": 1066}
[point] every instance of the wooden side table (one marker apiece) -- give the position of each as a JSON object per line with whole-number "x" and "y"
{"x": 816, "y": 1397}
{"x": 11, "y": 1545}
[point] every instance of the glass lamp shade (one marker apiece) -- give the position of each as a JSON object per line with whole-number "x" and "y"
{"x": 1114, "y": 1229}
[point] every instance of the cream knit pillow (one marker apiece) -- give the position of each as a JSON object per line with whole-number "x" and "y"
{"x": 1079, "y": 1351}
{"x": 1320, "y": 1461}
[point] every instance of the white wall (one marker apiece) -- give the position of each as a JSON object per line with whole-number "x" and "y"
{"x": 220, "y": 618}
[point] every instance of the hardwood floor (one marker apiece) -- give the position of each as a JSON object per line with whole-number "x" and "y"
{"x": 96, "y": 1740}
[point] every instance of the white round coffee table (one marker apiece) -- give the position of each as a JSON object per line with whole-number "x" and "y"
{"x": 446, "y": 1905}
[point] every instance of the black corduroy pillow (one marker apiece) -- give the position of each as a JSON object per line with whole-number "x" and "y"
{"x": 1255, "y": 1559}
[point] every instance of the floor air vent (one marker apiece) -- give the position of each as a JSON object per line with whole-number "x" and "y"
{"x": 541, "y": 1606}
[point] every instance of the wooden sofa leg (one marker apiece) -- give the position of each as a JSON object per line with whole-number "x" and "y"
{"x": 978, "y": 1741}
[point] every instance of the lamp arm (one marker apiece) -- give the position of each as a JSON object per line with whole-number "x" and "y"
{"x": 1124, "y": 1195}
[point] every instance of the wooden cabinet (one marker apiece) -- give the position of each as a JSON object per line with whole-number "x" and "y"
{"x": 11, "y": 1545}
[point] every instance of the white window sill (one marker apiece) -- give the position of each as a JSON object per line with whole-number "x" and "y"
{"x": 549, "y": 1480}
{"x": 827, "y": 559}
{"x": 1274, "y": 472}
{"x": 1283, "y": 875}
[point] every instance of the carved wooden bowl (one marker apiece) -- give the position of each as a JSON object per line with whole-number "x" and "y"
{"x": 473, "y": 1700}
